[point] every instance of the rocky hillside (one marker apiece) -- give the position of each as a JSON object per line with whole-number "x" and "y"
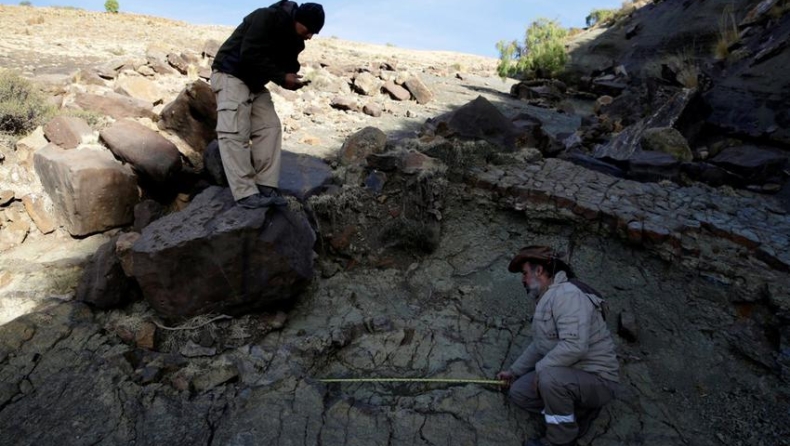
{"x": 139, "y": 305}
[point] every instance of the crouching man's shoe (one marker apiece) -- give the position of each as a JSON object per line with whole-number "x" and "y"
{"x": 273, "y": 194}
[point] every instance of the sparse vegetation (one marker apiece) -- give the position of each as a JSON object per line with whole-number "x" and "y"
{"x": 25, "y": 3}
{"x": 601, "y": 16}
{"x": 542, "y": 54}
{"x": 685, "y": 67}
{"x": 22, "y": 107}
{"x": 111, "y": 6}
{"x": 728, "y": 33}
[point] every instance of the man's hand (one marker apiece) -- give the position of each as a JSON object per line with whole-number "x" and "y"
{"x": 507, "y": 377}
{"x": 294, "y": 81}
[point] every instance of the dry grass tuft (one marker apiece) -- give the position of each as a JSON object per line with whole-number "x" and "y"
{"x": 728, "y": 34}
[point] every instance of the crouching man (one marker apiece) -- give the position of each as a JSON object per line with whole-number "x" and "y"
{"x": 570, "y": 369}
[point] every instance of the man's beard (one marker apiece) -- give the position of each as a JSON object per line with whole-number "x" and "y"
{"x": 533, "y": 289}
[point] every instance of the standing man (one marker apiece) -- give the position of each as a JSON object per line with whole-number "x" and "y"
{"x": 265, "y": 47}
{"x": 570, "y": 369}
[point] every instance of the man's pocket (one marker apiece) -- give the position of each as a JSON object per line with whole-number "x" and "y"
{"x": 228, "y": 117}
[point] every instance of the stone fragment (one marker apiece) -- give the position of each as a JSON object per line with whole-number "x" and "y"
{"x": 418, "y": 89}
{"x": 36, "y": 208}
{"x": 344, "y": 103}
{"x": 627, "y": 326}
{"x": 6, "y": 196}
{"x": 361, "y": 144}
{"x": 147, "y": 212}
{"x": 178, "y": 62}
{"x": 139, "y": 88}
{"x": 372, "y": 109}
{"x": 396, "y": 91}
{"x": 367, "y": 84}
{"x": 67, "y": 132}
{"x": 123, "y": 250}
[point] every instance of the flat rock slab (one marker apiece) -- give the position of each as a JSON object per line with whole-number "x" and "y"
{"x": 33, "y": 273}
{"x": 689, "y": 224}
{"x": 115, "y": 105}
{"x": 215, "y": 256}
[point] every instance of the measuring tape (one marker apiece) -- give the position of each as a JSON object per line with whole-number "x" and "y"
{"x": 493, "y": 382}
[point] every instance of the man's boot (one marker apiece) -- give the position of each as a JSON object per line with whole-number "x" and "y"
{"x": 585, "y": 418}
{"x": 273, "y": 195}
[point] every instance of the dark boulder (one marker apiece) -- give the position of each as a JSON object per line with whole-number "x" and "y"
{"x": 217, "y": 257}
{"x": 476, "y": 120}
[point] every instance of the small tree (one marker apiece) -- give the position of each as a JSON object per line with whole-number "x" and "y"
{"x": 25, "y": 3}
{"x": 542, "y": 55}
{"x": 111, "y": 6}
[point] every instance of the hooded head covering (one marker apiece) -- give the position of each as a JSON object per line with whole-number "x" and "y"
{"x": 311, "y": 15}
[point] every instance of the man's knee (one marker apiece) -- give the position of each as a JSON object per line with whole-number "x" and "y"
{"x": 522, "y": 393}
{"x": 551, "y": 378}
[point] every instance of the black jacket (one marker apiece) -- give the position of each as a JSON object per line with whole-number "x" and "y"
{"x": 263, "y": 48}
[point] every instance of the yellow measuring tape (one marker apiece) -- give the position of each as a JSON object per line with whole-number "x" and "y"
{"x": 494, "y": 382}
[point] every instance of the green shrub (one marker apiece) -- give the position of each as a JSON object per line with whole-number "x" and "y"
{"x": 111, "y": 6}
{"x": 22, "y": 107}
{"x": 601, "y": 16}
{"x": 542, "y": 55}
{"x": 25, "y": 3}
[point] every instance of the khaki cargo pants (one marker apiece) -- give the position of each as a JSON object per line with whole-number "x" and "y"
{"x": 249, "y": 135}
{"x": 564, "y": 396}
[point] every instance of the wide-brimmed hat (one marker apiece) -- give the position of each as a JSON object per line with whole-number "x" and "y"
{"x": 538, "y": 254}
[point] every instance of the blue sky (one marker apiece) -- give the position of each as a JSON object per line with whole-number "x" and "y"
{"x": 469, "y": 26}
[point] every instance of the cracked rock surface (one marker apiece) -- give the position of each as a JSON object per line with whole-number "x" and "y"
{"x": 70, "y": 376}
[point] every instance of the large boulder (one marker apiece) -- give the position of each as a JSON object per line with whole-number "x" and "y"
{"x": 91, "y": 191}
{"x": 217, "y": 257}
{"x": 192, "y": 116}
{"x": 152, "y": 156}
{"x": 476, "y": 120}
